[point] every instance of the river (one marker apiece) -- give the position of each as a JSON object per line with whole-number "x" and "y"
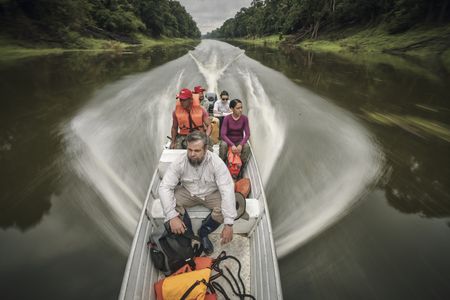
{"x": 353, "y": 151}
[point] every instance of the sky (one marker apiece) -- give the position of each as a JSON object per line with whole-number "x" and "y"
{"x": 210, "y": 14}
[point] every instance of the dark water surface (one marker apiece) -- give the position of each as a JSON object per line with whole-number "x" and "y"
{"x": 391, "y": 244}
{"x": 395, "y": 243}
{"x": 49, "y": 248}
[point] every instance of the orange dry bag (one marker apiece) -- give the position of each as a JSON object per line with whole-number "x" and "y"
{"x": 243, "y": 186}
{"x": 187, "y": 283}
{"x": 234, "y": 163}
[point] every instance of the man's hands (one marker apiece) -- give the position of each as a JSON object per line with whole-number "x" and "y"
{"x": 227, "y": 234}
{"x": 177, "y": 226}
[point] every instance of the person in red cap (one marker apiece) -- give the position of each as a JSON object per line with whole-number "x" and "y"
{"x": 187, "y": 117}
{"x": 199, "y": 89}
{"x": 203, "y": 101}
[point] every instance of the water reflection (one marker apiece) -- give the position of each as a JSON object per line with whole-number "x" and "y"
{"x": 38, "y": 96}
{"x": 404, "y": 102}
{"x": 352, "y": 259}
{"x": 401, "y": 226}
{"x": 418, "y": 179}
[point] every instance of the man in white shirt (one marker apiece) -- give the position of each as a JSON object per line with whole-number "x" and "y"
{"x": 205, "y": 180}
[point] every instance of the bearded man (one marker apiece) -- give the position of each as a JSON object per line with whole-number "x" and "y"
{"x": 205, "y": 180}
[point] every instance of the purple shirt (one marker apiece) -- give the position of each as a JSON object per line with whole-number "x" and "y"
{"x": 235, "y": 132}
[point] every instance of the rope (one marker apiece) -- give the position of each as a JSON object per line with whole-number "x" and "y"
{"x": 216, "y": 267}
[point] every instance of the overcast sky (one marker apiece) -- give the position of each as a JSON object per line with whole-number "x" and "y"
{"x": 210, "y": 14}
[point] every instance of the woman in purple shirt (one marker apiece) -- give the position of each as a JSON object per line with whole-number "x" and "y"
{"x": 235, "y": 133}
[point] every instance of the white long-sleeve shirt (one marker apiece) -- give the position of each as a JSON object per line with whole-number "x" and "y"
{"x": 221, "y": 108}
{"x": 211, "y": 175}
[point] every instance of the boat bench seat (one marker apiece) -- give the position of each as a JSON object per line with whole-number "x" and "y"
{"x": 198, "y": 213}
{"x": 167, "y": 157}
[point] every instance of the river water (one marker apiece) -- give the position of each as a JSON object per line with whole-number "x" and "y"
{"x": 354, "y": 153}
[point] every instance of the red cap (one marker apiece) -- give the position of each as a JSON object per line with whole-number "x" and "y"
{"x": 185, "y": 94}
{"x": 198, "y": 89}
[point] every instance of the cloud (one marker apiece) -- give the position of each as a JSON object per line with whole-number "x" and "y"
{"x": 210, "y": 14}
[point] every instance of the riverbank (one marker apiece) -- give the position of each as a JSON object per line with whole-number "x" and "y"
{"x": 11, "y": 49}
{"x": 422, "y": 42}
{"x": 271, "y": 41}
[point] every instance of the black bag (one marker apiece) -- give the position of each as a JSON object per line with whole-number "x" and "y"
{"x": 169, "y": 251}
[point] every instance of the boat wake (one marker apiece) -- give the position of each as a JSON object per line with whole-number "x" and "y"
{"x": 314, "y": 158}
{"x": 232, "y": 74}
{"x": 212, "y": 64}
{"x": 113, "y": 145}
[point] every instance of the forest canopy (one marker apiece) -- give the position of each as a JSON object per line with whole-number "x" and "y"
{"x": 61, "y": 20}
{"x": 310, "y": 17}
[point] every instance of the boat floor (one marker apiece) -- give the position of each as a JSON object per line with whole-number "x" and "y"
{"x": 239, "y": 247}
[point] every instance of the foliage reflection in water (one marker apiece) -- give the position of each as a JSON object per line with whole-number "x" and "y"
{"x": 47, "y": 243}
{"x": 392, "y": 245}
{"x": 404, "y": 102}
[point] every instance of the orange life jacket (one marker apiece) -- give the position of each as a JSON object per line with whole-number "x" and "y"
{"x": 188, "y": 124}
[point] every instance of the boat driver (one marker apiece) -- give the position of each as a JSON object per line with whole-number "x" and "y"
{"x": 204, "y": 102}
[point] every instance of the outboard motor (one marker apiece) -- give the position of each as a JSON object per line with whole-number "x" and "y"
{"x": 212, "y": 98}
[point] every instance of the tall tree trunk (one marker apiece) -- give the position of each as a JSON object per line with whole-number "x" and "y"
{"x": 333, "y": 5}
{"x": 315, "y": 30}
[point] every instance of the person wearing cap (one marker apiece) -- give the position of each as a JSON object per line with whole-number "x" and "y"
{"x": 187, "y": 117}
{"x": 222, "y": 107}
{"x": 203, "y": 101}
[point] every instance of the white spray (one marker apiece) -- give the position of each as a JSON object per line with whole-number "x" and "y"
{"x": 326, "y": 163}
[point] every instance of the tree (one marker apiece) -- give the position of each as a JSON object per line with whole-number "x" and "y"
{"x": 60, "y": 20}
{"x": 308, "y": 18}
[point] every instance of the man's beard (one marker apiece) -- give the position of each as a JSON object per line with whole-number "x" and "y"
{"x": 195, "y": 162}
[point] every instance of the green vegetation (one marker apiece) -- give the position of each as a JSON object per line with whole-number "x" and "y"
{"x": 267, "y": 41}
{"x": 11, "y": 50}
{"x": 145, "y": 41}
{"x": 421, "y": 41}
{"x": 91, "y": 24}
{"x": 310, "y": 18}
{"x": 415, "y": 27}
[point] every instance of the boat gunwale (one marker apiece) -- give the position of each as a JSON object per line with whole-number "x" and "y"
{"x": 126, "y": 275}
{"x": 144, "y": 215}
{"x": 269, "y": 223}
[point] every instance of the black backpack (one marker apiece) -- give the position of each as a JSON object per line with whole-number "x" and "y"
{"x": 169, "y": 251}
